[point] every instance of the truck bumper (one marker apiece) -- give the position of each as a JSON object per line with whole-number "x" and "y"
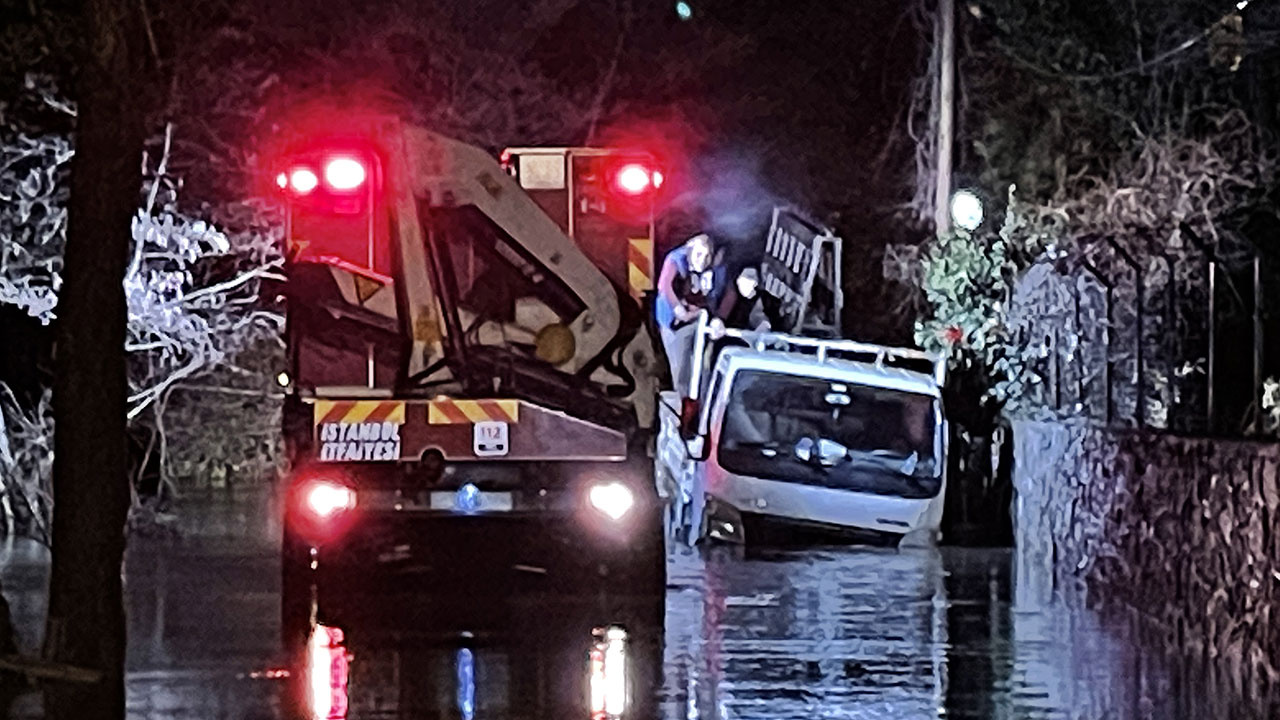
{"x": 447, "y": 554}
{"x": 826, "y": 506}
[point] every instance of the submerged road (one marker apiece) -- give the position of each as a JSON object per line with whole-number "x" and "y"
{"x": 837, "y": 632}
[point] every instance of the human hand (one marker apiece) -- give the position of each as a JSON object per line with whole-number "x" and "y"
{"x": 717, "y": 328}
{"x": 684, "y": 313}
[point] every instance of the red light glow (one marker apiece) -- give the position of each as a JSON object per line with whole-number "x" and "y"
{"x": 325, "y": 499}
{"x": 282, "y": 180}
{"x": 327, "y": 674}
{"x": 344, "y": 173}
{"x": 303, "y": 180}
{"x": 634, "y": 179}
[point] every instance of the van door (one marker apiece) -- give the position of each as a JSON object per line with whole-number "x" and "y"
{"x": 694, "y": 482}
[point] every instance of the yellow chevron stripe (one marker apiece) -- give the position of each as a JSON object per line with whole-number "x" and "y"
{"x": 445, "y": 412}
{"x": 360, "y": 411}
{"x": 435, "y": 416}
{"x": 644, "y": 246}
{"x": 638, "y": 279}
{"x": 321, "y": 408}
{"x": 511, "y": 408}
{"x": 472, "y": 410}
{"x": 640, "y": 265}
{"x": 397, "y": 415}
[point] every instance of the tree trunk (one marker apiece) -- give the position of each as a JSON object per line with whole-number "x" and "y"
{"x": 86, "y": 624}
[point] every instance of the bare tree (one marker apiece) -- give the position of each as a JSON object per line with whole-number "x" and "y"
{"x": 195, "y": 322}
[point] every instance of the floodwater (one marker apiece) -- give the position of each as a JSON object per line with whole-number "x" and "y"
{"x": 835, "y": 632}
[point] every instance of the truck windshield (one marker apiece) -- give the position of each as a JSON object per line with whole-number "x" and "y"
{"x": 835, "y": 434}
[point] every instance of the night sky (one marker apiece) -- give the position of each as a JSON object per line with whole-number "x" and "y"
{"x": 766, "y": 102}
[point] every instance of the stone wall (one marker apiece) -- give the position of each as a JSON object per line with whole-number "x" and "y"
{"x": 1185, "y": 531}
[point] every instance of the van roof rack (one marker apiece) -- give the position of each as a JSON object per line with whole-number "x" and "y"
{"x": 825, "y": 349}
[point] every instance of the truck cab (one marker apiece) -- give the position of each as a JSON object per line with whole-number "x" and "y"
{"x": 787, "y": 430}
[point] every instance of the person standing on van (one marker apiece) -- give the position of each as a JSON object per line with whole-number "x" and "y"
{"x": 692, "y": 280}
{"x": 743, "y": 306}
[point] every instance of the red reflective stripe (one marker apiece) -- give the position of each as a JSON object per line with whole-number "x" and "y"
{"x": 337, "y": 412}
{"x": 382, "y": 412}
{"x": 495, "y": 411}
{"x": 451, "y": 411}
{"x": 637, "y": 257}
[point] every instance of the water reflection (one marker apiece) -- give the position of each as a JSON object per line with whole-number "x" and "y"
{"x": 862, "y": 633}
{"x": 466, "y": 664}
{"x": 808, "y": 633}
{"x": 326, "y": 676}
{"x": 610, "y": 692}
{"x": 519, "y": 657}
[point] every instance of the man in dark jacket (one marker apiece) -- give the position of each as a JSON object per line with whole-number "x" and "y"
{"x": 743, "y": 305}
{"x": 692, "y": 280}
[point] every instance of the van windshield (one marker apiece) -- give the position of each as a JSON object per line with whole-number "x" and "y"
{"x": 836, "y": 434}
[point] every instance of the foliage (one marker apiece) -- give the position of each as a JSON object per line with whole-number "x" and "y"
{"x": 26, "y": 466}
{"x": 1198, "y": 178}
{"x": 1003, "y": 301}
{"x": 1135, "y": 145}
{"x": 193, "y": 289}
{"x": 967, "y": 279}
{"x": 195, "y": 316}
{"x": 1048, "y": 90}
{"x": 1271, "y": 404}
{"x": 243, "y": 395}
{"x": 33, "y": 188}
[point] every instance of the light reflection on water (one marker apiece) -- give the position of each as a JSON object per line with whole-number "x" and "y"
{"x": 824, "y": 633}
{"x": 860, "y": 633}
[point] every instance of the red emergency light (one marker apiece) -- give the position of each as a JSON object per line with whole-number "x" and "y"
{"x": 301, "y": 180}
{"x": 321, "y": 505}
{"x": 636, "y": 179}
{"x": 342, "y": 174}
{"x": 633, "y": 179}
{"x": 325, "y": 499}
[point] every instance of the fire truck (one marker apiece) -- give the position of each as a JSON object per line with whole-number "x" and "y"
{"x": 471, "y": 384}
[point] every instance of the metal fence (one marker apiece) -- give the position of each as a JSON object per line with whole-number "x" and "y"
{"x": 1143, "y": 332}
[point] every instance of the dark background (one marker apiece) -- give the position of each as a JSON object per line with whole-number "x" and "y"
{"x": 754, "y": 103}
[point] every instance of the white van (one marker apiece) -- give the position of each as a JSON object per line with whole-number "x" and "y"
{"x": 829, "y": 433}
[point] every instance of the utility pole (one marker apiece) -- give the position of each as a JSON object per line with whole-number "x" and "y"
{"x": 945, "y": 37}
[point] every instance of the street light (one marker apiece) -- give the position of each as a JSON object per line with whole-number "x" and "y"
{"x": 684, "y": 10}
{"x": 966, "y": 210}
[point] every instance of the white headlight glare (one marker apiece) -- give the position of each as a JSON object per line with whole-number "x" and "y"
{"x": 612, "y": 499}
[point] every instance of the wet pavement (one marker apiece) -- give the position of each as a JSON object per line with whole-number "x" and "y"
{"x": 839, "y": 632}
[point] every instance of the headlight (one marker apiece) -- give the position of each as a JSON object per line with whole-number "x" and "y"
{"x": 325, "y": 499}
{"x": 612, "y": 499}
